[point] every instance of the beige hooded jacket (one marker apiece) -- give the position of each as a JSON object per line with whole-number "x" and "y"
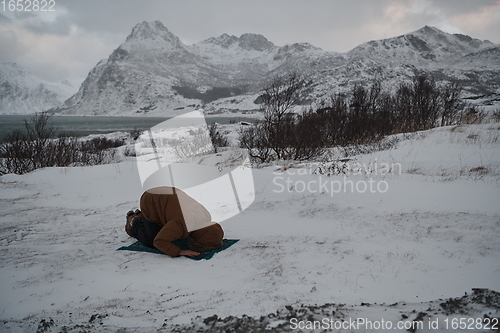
{"x": 180, "y": 216}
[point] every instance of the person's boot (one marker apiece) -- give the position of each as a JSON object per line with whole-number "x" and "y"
{"x": 129, "y": 222}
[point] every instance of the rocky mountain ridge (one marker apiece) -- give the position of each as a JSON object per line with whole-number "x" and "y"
{"x": 153, "y": 72}
{"x": 22, "y": 92}
{"x": 420, "y": 47}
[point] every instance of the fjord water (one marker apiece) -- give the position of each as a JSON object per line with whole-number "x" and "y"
{"x": 85, "y": 125}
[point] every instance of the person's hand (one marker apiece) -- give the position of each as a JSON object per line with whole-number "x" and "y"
{"x": 189, "y": 253}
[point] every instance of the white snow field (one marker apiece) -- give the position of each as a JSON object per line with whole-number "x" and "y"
{"x": 418, "y": 226}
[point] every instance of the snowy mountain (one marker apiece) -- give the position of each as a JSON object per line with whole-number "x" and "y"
{"x": 22, "y": 93}
{"x": 422, "y": 47}
{"x": 153, "y": 72}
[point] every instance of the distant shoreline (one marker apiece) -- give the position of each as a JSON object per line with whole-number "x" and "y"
{"x": 86, "y": 125}
{"x": 255, "y": 115}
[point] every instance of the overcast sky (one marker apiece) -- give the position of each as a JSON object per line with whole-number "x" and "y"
{"x": 67, "y": 43}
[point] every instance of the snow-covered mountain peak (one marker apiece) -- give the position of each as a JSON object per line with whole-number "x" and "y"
{"x": 13, "y": 72}
{"x": 427, "y": 30}
{"x": 153, "y": 32}
{"x": 255, "y": 42}
{"x": 231, "y": 50}
{"x": 224, "y": 41}
{"x": 150, "y": 43}
{"x": 66, "y": 82}
{"x": 154, "y": 72}
{"x": 248, "y": 42}
{"x": 23, "y": 92}
{"x": 145, "y": 30}
{"x": 422, "y": 46}
{"x": 440, "y": 39}
{"x": 298, "y": 47}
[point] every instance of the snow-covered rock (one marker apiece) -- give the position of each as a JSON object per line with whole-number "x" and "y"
{"x": 21, "y": 92}
{"x": 420, "y": 47}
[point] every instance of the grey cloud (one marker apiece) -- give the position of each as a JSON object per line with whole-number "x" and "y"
{"x": 22, "y": 15}
{"x": 3, "y": 18}
{"x": 331, "y": 24}
{"x": 281, "y": 21}
{"x": 113, "y": 16}
{"x": 60, "y": 26}
{"x": 334, "y": 25}
{"x": 457, "y": 7}
{"x": 10, "y": 47}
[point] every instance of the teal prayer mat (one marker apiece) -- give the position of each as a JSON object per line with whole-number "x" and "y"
{"x": 183, "y": 245}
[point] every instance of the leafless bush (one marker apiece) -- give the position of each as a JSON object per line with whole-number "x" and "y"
{"x": 129, "y": 150}
{"x": 219, "y": 140}
{"x": 473, "y": 116}
{"x": 304, "y": 137}
{"x": 255, "y": 139}
{"x": 366, "y": 115}
{"x": 15, "y": 154}
{"x": 195, "y": 144}
{"x": 283, "y": 135}
{"x": 25, "y": 151}
{"x": 496, "y": 115}
{"x": 357, "y": 120}
{"x": 135, "y": 133}
{"x": 332, "y": 168}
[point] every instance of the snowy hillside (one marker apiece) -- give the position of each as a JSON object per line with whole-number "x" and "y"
{"x": 421, "y": 47}
{"x": 23, "y": 93}
{"x": 404, "y": 227}
{"x": 154, "y": 73}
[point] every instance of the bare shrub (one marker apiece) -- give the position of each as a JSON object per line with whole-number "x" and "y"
{"x": 283, "y": 135}
{"x": 197, "y": 143}
{"x": 472, "y": 115}
{"x": 304, "y": 137}
{"x": 496, "y": 115}
{"x": 332, "y": 168}
{"x": 129, "y": 150}
{"x": 255, "y": 139}
{"x": 135, "y": 133}
{"x": 15, "y": 154}
{"x": 219, "y": 140}
{"x": 366, "y": 115}
{"x": 357, "y": 120}
{"x": 25, "y": 151}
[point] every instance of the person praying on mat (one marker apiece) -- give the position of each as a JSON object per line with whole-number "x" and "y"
{"x": 167, "y": 214}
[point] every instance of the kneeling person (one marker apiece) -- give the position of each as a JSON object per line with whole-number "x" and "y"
{"x": 168, "y": 214}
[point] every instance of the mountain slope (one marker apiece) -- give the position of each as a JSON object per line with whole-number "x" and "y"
{"x": 420, "y": 47}
{"x": 154, "y": 72}
{"x": 22, "y": 93}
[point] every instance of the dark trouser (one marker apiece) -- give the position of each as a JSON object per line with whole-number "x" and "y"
{"x": 145, "y": 231}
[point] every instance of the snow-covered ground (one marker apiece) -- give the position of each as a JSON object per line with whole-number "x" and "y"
{"x": 398, "y": 232}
